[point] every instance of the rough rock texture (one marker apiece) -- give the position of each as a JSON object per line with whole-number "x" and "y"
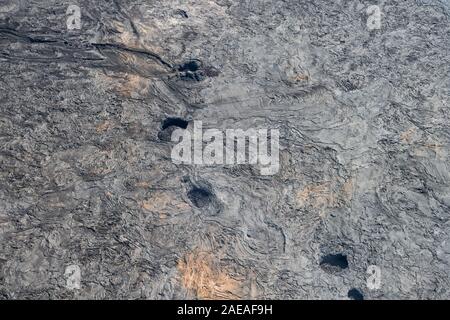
{"x": 87, "y": 183}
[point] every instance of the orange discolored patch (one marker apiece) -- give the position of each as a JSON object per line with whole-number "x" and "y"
{"x": 407, "y": 136}
{"x": 133, "y": 85}
{"x": 129, "y": 85}
{"x": 202, "y": 276}
{"x": 439, "y": 149}
{"x": 347, "y": 190}
{"x": 163, "y": 203}
{"x": 300, "y": 77}
{"x": 104, "y": 126}
{"x": 323, "y": 196}
{"x": 318, "y": 196}
{"x": 142, "y": 184}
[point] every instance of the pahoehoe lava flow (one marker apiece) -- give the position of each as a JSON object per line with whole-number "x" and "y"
{"x": 317, "y": 165}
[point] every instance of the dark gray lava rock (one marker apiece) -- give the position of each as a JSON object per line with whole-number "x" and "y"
{"x": 92, "y": 206}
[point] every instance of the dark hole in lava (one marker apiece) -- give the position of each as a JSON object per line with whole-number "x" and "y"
{"x": 175, "y": 122}
{"x": 169, "y": 125}
{"x": 192, "y": 66}
{"x": 355, "y": 294}
{"x": 334, "y": 261}
{"x": 200, "y": 197}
